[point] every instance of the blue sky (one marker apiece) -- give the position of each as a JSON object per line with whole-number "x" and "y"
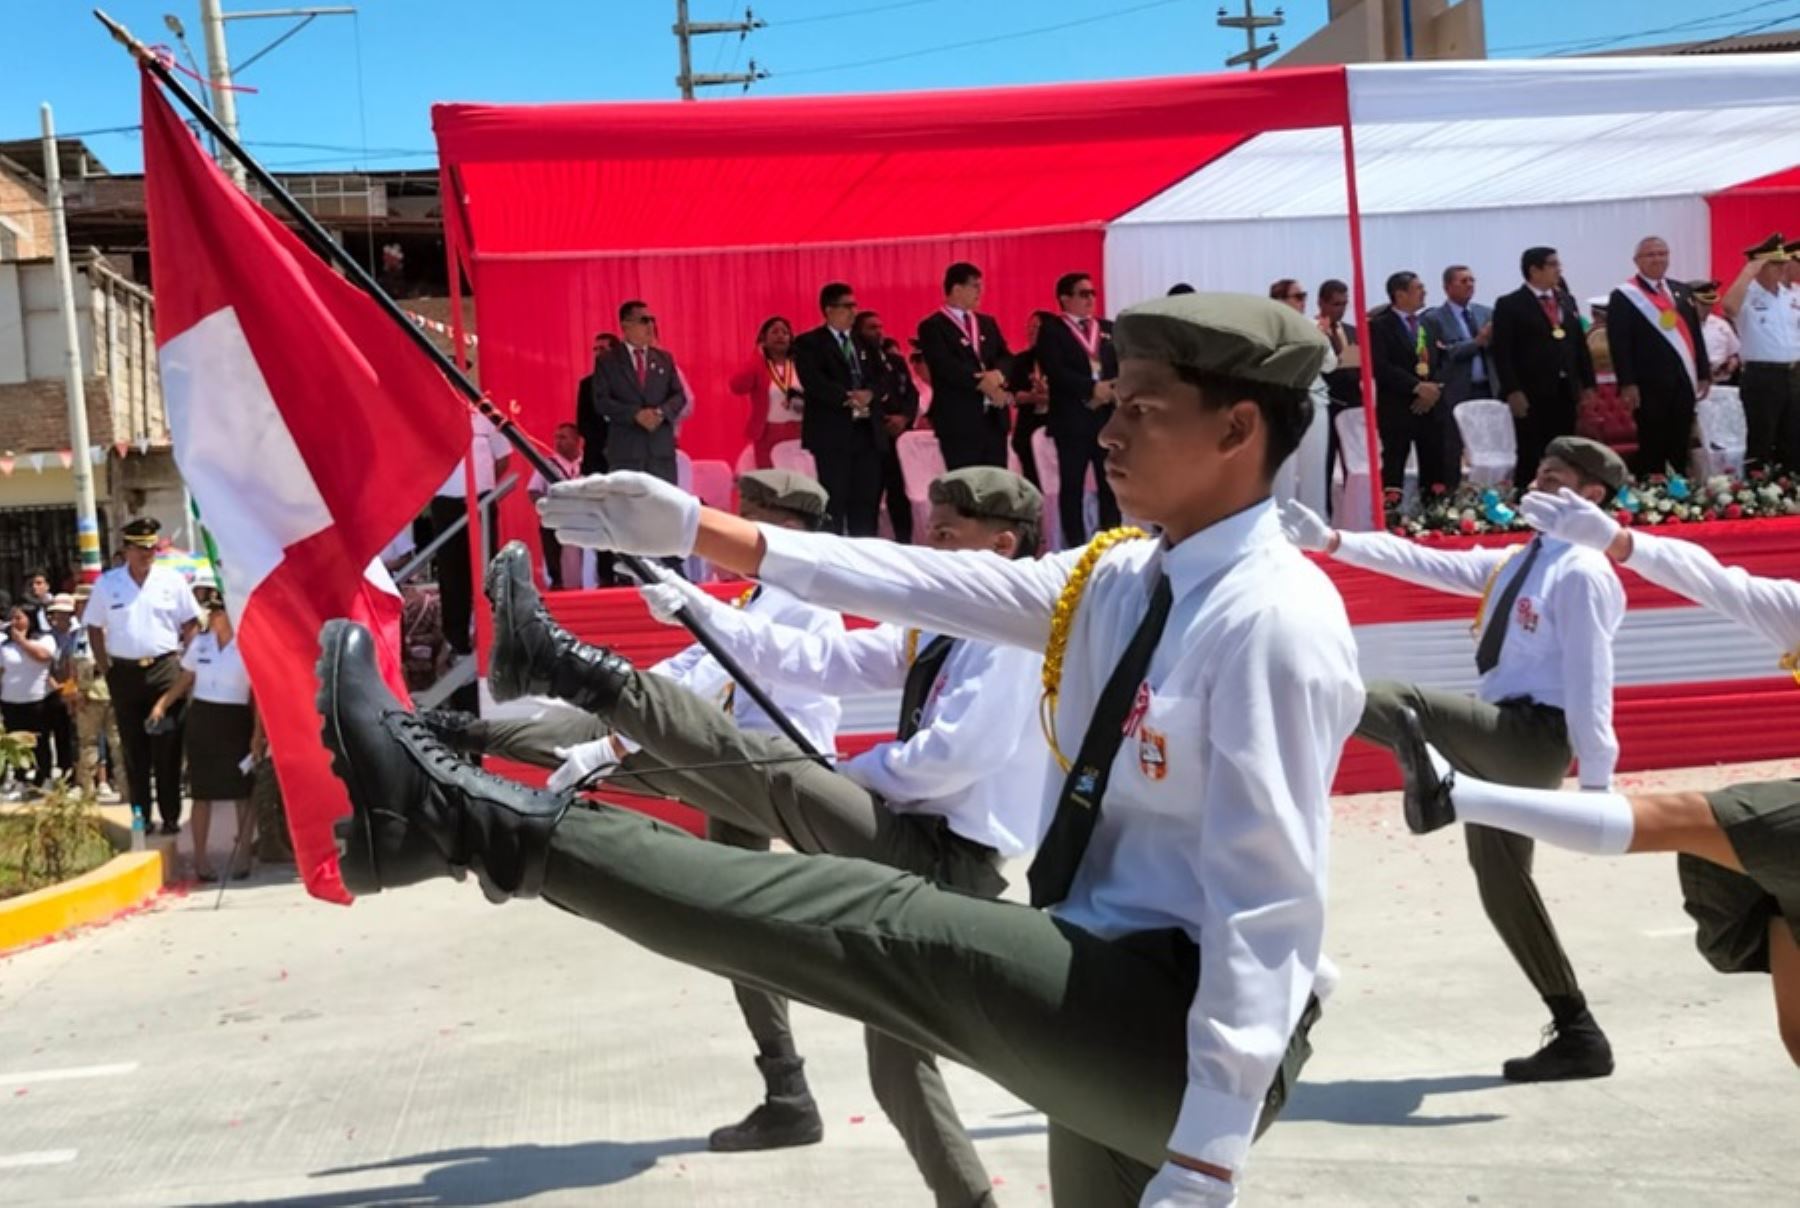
{"x": 343, "y": 85}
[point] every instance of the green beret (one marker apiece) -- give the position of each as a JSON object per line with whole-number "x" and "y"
{"x": 784, "y": 489}
{"x": 1592, "y": 458}
{"x": 1231, "y": 335}
{"x": 989, "y": 492}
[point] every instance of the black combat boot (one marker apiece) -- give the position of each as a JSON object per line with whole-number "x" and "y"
{"x": 533, "y": 655}
{"x": 786, "y": 1117}
{"x": 1574, "y": 1047}
{"x": 417, "y": 811}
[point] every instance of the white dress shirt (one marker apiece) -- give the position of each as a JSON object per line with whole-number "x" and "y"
{"x": 979, "y": 755}
{"x": 1770, "y": 607}
{"x": 814, "y": 708}
{"x": 1253, "y": 691}
{"x": 1559, "y": 644}
{"x": 1766, "y": 326}
{"x": 489, "y": 447}
{"x": 23, "y": 679}
{"x": 141, "y": 622}
{"x": 220, "y": 677}
{"x": 1722, "y": 341}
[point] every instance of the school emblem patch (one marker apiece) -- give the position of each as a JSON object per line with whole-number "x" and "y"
{"x": 1153, "y": 754}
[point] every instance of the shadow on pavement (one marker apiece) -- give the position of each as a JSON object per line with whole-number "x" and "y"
{"x": 502, "y": 1175}
{"x": 1394, "y": 1103}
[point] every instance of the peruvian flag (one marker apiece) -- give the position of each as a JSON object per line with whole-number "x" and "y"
{"x": 309, "y": 430}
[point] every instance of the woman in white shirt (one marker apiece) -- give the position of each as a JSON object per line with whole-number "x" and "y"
{"x": 772, "y": 386}
{"x": 25, "y": 689}
{"x": 220, "y": 735}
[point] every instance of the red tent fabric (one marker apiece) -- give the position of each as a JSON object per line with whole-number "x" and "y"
{"x": 719, "y": 215}
{"x": 1743, "y": 215}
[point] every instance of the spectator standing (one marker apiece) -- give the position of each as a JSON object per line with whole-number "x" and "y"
{"x": 26, "y": 694}
{"x": 96, "y": 729}
{"x": 1081, "y": 366}
{"x": 1598, "y": 353}
{"x": 1289, "y": 292}
{"x": 840, "y": 425}
{"x": 1724, "y": 351}
{"x": 456, "y": 585}
{"x": 1540, "y": 359}
{"x": 1343, "y": 384}
{"x": 1031, "y": 397}
{"x": 221, "y": 735}
{"x": 36, "y": 597}
{"x": 771, "y": 385}
{"x": 1462, "y": 329}
{"x": 1659, "y": 358}
{"x": 137, "y": 621}
{"x": 1407, "y": 399}
{"x": 588, "y": 419}
{"x": 1762, "y": 304}
{"x": 562, "y": 563}
{"x": 897, "y": 402}
{"x": 66, "y": 692}
{"x": 637, "y": 388}
{"x": 968, "y": 361}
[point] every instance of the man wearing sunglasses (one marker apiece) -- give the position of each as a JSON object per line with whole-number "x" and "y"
{"x": 638, "y": 391}
{"x": 1080, "y": 365}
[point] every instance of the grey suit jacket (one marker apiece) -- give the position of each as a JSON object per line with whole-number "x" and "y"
{"x": 618, "y": 397}
{"x": 1461, "y": 354}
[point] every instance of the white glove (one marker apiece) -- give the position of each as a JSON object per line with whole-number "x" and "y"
{"x": 580, "y": 762}
{"x": 1304, "y": 527}
{"x": 1568, "y": 517}
{"x": 1178, "y": 1187}
{"x": 670, "y": 594}
{"x": 625, "y": 511}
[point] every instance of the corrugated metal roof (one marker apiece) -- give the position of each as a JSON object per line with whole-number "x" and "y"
{"x": 1460, "y": 165}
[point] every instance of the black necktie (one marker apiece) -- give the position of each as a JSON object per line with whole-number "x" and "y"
{"x": 1487, "y": 654}
{"x": 1078, "y": 809}
{"x": 919, "y": 679}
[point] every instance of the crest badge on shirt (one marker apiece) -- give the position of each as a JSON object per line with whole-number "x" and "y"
{"x": 1153, "y": 754}
{"x": 1526, "y": 615}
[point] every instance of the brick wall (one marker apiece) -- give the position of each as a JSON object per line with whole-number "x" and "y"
{"x": 22, "y": 206}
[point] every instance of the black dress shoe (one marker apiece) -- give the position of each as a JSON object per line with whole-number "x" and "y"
{"x": 1426, "y": 793}
{"x": 787, "y": 1116}
{"x": 417, "y": 811}
{"x": 461, "y": 731}
{"x": 1573, "y": 1049}
{"x": 532, "y": 654}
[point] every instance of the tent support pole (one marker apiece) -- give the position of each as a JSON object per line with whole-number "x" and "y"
{"x": 1377, "y": 517}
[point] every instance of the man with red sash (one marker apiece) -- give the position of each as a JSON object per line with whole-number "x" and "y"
{"x": 969, "y": 362}
{"x": 1080, "y": 365}
{"x": 1659, "y": 358}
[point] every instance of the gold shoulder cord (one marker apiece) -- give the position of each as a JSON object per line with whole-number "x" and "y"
{"x": 1062, "y": 620}
{"x": 1488, "y": 589}
{"x": 912, "y": 647}
{"x": 743, "y": 600}
{"x": 728, "y": 697}
{"x": 1790, "y": 663}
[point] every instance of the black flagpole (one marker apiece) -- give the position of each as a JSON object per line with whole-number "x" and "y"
{"x": 328, "y": 248}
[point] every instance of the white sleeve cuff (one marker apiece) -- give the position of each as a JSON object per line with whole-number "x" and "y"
{"x": 787, "y": 563}
{"x": 1215, "y": 1127}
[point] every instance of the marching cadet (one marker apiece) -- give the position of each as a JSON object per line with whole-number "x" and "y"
{"x": 1197, "y": 687}
{"x": 1739, "y": 847}
{"x": 1544, "y": 635}
{"x": 579, "y": 744}
{"x": 138, "y": 620}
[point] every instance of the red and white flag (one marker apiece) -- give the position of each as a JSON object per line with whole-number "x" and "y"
{"x": 309, "y": 430}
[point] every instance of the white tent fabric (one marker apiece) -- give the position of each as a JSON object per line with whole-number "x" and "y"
{"x": 1471, "y": 163}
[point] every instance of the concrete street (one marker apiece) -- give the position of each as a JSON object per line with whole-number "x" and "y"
{"x": 425, "y": 1048}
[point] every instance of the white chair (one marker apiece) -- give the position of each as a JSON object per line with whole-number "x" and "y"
{"x": 921, "y": 460}
{"x": 684, "y": 471}
{"x": 714, "y": 483}
{"x": 1487, "y": 433}
{"x": 1724, "y": 433}
{"x": 1350, "y": 495}
{"x": 791, "y": 455}
{"x": 1043, "y": 454}
{"x": 746, "y": 460}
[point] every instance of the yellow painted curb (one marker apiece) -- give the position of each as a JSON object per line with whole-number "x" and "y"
{"x": 119, "y": 884}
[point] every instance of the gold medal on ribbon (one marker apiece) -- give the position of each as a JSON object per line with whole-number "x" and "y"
{"x": 1669, "y": 319}
{"x": 1423, "y": 369}
{"x": 1557, "y": 333}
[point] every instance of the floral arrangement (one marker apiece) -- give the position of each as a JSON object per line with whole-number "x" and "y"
{"x": 1660, "y": 499}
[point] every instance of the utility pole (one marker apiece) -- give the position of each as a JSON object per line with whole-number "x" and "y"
{"x": 87, "y": 520}
{"x": 1252, "y": 55}
{"x": 686, "y": 31}
{"x": 218, "y": 59}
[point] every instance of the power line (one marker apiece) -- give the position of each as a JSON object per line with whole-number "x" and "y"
{"x": 861, "y": 12}
{"x": 972, "y": 42}
{"x": 1616, "y": 39}
{"x": 1749, "y": 29}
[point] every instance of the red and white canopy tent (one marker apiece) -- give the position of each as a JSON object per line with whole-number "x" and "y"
{"x": 722, "y": 214}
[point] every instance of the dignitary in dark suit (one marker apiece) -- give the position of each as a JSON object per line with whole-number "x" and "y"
{"x": 588, "y": 420}
{"x": 897, "y": 403}
{"x": 639, "y": 394}
{"x": 1461, "y": 328}
{"x": 841, "y": 426}
{"x": 1540, "y": 359}
{"x": 1408, "y": 402}
{"x": 1075, "y": 353}
{"x": 968, "y": 362}
{"x": 1659, "y": 358}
